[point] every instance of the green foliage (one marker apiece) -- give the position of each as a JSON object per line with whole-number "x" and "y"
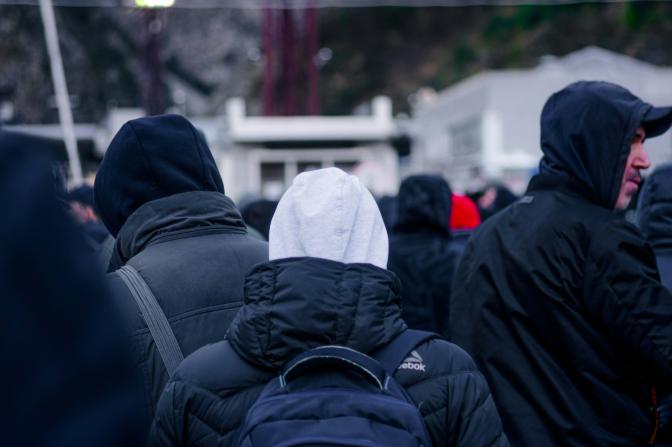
{"x": 638, "y": 15}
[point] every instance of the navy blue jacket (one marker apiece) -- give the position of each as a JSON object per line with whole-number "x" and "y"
{"x": 654, "y": 218}
{"x": 160, "y": 194}
{"x": 66, "y": 366}
{"x": 292, "y": 305}
{"x": 558, "y": 298}
{"x": 421, "y": 252}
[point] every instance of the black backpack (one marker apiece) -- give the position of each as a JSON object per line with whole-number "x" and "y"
{"x": 333, "y": 395}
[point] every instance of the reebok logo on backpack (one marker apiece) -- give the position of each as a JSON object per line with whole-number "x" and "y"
{"x": 414, "y": 362}
{"x": 334, "y": 395}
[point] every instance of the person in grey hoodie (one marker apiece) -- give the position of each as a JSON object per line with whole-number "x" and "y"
{"x": 325, "y": 284}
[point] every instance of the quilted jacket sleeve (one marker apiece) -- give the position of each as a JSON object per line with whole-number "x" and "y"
{"x": 205, "y": 402}
{"x": 472, "y": 418}
{"x": 166, "y": 428}
{"x": 453, "y": 398}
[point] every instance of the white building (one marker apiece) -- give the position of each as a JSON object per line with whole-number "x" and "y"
{"x": 261, "y": 155}
{"x": 487, "y": 127}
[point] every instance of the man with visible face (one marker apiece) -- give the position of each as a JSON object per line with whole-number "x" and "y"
{"x": 558, "y": 298}
{"x": 638, "y": 159}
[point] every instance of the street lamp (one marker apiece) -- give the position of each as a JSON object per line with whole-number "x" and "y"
{"x": 154, "y": 3}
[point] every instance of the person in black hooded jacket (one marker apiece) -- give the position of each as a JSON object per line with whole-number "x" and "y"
{"x": 558, "y": 298}
{"x": 421, "y": 253}
{"x": 160, "y": 194}
{"x": 654, "y": 218}
{"x": 326, "y": 284}
{"x": 67, "y": 370}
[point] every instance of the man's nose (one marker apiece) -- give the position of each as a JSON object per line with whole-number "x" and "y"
{"x": 642, "y": 161}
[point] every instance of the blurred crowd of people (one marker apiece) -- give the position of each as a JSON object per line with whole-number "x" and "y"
{"x": 150, "y": 310}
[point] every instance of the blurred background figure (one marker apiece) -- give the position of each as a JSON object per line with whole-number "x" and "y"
{"x": 388, "y": 209}
{"x": 464, "y": 219}
{"x": 258, "y": 214}
{"x": 421, "y": 251}
{"x": 654, "y": 218}
{"x": 67, "y": 373}
{"x": 493, "y": 199}
{"x": 83, "y": 209}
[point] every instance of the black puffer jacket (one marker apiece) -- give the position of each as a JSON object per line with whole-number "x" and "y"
{"x": 654, "y": 218}
{"x": 558, "y": 298}
{"x": 185, "y": 238}
{"x": 296, "y": 304}
{"x": 421, "y": 252}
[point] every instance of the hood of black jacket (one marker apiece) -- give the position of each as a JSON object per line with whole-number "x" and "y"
{"x": 172, "y": 217}
{"x": 296, "y": 304}
{"x": 424, "y": 204}
{"x": 654, "y": 212}
{"x": 586, "y": 132}
{"x": 148, "y": 159}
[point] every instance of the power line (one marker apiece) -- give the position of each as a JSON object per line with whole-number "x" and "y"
{"x": 300, "y": 4}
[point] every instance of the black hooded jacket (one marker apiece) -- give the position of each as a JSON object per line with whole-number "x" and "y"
{"x": 296, "y": 304}
{"x": 558, "y": 298}
{"x": 654, "y": 218}
{"x": 159, "y": 192}
{"x": 421, "y": 252}
{"x": 66, "y": 366}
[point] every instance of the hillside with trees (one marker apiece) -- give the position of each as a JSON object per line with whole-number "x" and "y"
{"x": 217, "y": 52}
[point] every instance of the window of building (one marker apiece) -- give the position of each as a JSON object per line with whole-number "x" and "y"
{"x": 466, "y": 140}
{"x": 272, "y": 179}
{"x": 304, "y": 166}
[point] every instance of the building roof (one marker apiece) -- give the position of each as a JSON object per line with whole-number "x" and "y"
{"x": 258, "y": 129}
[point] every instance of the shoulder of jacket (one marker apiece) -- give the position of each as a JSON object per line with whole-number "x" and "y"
{"x": 445, "y": 358}
{"x": 218, "y": 367}
{"x": 613, "y": 232}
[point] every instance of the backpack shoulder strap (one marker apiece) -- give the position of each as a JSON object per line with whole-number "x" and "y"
{"x": 156, "y": 320}
{"x": 393, "y": 354}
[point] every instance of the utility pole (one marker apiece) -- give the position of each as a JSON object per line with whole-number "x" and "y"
{"x": 268, "y": 48}
{"x": 290, "y": 45}
{"x": 61, "y": 90}
{"x": 313, "y": 73}
{"x": 290, "y": 63}
{"x": 151, "y": 62}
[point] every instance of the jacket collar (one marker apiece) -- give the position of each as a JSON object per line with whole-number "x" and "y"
{"x": 296, "y": 304}
{"x": 562, "y": 183}
{"x": 172, "y": 216}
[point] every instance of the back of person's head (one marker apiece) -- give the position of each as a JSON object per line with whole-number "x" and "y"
{"x": 388, "y": 209}
{"x": 654, "y": 208}
{"x": 464, "y": 215}
{"x": 586, "y": 132}
{"x": 258, "y": 215}
{"x": 424, "y": 203}
{"x": 82, "y": 204}
{"x": 67, "y": 365}
{"x": 329, "y": 214}
{"x": 151, "y": 158}
{"x": 82, "y": 194}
